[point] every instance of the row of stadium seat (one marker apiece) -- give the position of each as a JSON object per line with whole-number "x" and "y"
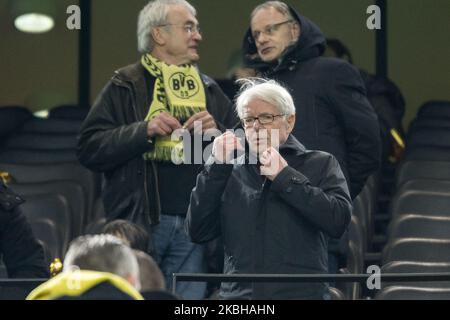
{"x": 38, "y": 156}
{"x": 418, "y": 236}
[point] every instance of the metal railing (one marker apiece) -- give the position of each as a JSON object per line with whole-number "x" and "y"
{"x": 269, "y": 278}
{"x": 384, "y": 277}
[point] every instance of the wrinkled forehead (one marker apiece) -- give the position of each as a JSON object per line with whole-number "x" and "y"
{"x": 266, "y": 16}
{"x": 179, "y": 14}
{"x": 258, "y": 106}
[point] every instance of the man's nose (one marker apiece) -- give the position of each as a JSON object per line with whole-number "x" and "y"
{"x": 257, "y": 125}
{"x": 197, "y": 36}
{"x": 262, "y": 38}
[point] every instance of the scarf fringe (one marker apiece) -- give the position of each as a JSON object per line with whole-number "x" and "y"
{"x": 166, "y": 153}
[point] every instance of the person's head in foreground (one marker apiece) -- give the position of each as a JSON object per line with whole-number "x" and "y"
{"x": 95, "y": 267}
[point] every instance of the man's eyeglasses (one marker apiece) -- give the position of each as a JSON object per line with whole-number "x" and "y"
{"x": 269, "y": 30}
{"x": 188, "y": 28}
{"x": 263, "y": 119}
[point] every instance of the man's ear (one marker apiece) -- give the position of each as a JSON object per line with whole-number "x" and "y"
{"x": 290, "y": 123}
{"x": 136, "y": 283}
{"x": 295, "y": 31}
{"x": 158, "y": 36}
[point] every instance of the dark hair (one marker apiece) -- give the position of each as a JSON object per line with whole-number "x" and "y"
{"x": 132, "y": 234}
{"x": 340, "y": 49}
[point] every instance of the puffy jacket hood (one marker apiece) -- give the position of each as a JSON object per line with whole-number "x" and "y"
{"x": 311, "y": 44}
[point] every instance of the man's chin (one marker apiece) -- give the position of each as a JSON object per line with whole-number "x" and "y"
{"x": 268, "y": 57}
{"x": 194, "y": 57}
{"x": 258, "y": 148}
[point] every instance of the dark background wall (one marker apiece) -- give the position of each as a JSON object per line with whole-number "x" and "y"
{"x": 41, "y": 71}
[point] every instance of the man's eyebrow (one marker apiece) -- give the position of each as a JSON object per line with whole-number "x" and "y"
{"x": 191, "y": 22}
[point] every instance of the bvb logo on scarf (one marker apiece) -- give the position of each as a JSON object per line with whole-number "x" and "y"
{"x": 179, "y": 91}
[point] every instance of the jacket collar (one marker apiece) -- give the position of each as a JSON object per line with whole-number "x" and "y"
{"x": 292, "y": 146}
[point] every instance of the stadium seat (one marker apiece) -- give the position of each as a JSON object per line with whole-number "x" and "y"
{"x": 416, "y": 267}
{"x": 66, "y": 171}
{"x": 69, "y": 112}
{"x": 355, "y": 260}
{"x": 426, "y": 197}
{"x": 72, "y": 191}
{"x": 26, "y": 156}
{"x": 429, "y": 137}
{"x": 53, "y": 207}
{"x": 411, "y": 170}
{"x": 419, "y": 226}
{"x": 336, "y": 294}
{"x": 360, "y": 211}
{"x": 421, "y": 123}
{"x": 413, "y": 293}
{"x": 46, "y": 231}
{"x": 434, "y": 109}
{"x": 417, "y": 249}
{"x": 11, "y": 118}
{"x": 427, "y": 153}
{"x": 46, "y": 126}
{"x": 41, "y": 141}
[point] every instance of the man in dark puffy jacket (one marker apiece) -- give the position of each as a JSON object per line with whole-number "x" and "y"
{"x": 22, "y": 254}
{"x": 275, "y": 205}
{"x": 334, "y": 114}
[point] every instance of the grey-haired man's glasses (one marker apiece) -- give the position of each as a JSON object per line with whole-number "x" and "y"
{"x": 263, "y": 119}
{"x": 269, "y": 30}
{"x": 188, "y": 28}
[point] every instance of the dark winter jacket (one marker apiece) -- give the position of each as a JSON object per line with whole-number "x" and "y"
{"x": 333, "y": 113}
{"x": 113, "y": 139}
{"x": 22, "y": 254}
{"x": 274, "y": 227}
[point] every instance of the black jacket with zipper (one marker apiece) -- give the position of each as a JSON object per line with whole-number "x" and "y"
{"x": 274, "y": 227}
{"x": 113, "y": 139}
{"x": 333, "y": 113}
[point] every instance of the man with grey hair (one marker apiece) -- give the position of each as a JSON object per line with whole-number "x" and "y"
{"x": 334, "y": 114}
{"x": 274, "y": 215}
{"x": 103, "y": 253}
{"x": 96, "y": 267}
{"x": 127, "y": 135}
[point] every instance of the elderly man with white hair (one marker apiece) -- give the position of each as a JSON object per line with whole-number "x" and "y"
{"x": 274, "y": 214}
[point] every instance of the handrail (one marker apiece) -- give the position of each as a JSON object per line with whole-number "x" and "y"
{"x": 384, "y": 277}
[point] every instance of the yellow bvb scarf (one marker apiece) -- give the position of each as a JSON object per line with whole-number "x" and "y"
{"x": 179, "y": 91}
